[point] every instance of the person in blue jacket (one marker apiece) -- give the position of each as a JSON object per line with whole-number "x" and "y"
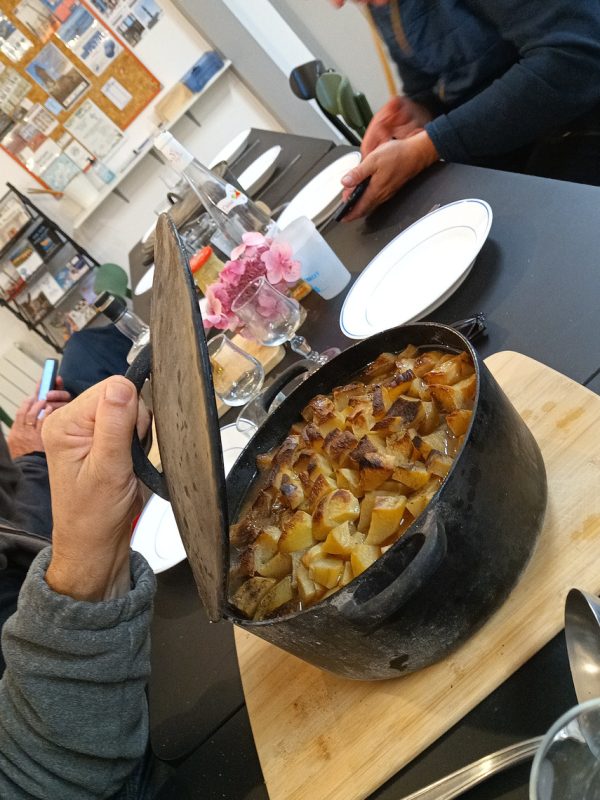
{"x": 512, "y": 84}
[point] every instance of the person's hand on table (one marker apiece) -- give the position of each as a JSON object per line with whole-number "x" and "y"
{"x": 25, "y": 435}
{"x": 389, "y": 166}
{"x": 399, "y": 118}
{"x": 95, "y": 494}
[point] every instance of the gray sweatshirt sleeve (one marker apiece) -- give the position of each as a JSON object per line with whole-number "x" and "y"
{"x": 73, "y": 711}
{"x": 555, "y": 80}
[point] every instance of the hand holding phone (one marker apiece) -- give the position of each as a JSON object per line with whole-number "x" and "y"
{"x": 48, "y": 379}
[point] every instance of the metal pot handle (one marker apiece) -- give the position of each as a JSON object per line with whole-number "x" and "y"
{"x": 138, "y": 373}
{"x": 407, "y": 567}
{"x": 270, "y": 392}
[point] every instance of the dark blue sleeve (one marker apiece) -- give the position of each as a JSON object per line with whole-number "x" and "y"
{"x": 32, "y": 506}
{"x": 556, "y": 79}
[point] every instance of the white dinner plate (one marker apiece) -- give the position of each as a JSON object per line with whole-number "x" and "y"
{"x": 418, "y": 270}
{"x": 231, "y": 150}
{"x": 258, "y": 173}
{"x": 156, "y": 536}
{"x": 319, "y": 198}
{"x": 145, "y": 282}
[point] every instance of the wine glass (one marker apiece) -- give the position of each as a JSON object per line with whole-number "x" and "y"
{"x": 567, "y": 764}
{"x": 272, "y": 319}
{"x": 237, "y": 376}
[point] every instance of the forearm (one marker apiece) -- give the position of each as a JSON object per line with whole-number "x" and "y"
{"x": 73, "y": 716}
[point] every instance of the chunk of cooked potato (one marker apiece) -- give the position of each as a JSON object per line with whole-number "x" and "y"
{"x": 342, "y": 394}
{"x": 292, "y": 493}
{"x": 250, "y": 593}
{"x": 326, "y": 571}
{"x": 276, "y": 567}
{"x": 362, "y": 557}
{"x": 319, "y": 489}
{"x": 277, "y": 596}
{"x": 333, "y": 509}
{"x": 350, "y": 479}
{"x": 308, "y": 590}
{"x": 439, "y": 463}
{"x": 297, "y": 532}
{"x": 385, "y": 518}
{"x": 458, "y": 421}
{"x": 341, "y": 540}
{"x": 413, "y": 476}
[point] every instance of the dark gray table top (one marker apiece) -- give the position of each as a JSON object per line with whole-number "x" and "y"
{"x": 536, "y": 279}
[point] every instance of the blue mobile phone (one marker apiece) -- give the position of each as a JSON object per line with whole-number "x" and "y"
{"x": 48, "y": 381}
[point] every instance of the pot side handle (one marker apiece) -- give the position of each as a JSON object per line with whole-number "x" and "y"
{"x": 138, "y": 373}
{"x": 409, "y": 565}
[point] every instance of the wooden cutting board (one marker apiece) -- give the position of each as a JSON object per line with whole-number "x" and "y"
{"x": 324, "y": 738}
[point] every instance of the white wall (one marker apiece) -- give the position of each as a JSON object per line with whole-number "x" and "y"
{"x": 228, "y": 107}
{"x": 342, "y": 39}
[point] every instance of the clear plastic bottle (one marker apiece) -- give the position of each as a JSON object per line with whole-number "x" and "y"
{"x": 234, "y": 213}
{"x": 115, "y": 308}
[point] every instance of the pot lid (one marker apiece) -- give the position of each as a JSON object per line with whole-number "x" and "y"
{"x": 187, "y": 424}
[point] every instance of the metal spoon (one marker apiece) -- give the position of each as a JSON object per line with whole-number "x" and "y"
{"x": 582, "y": 631}
{"x": 467, "y": 777}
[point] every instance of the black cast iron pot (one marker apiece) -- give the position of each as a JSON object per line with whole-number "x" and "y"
{"x": 436, "y": 585}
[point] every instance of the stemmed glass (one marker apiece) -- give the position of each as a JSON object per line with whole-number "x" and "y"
{"x": 237, "y": 376}
{"x": 272, "y": 319}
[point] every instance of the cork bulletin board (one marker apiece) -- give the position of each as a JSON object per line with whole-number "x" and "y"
{"x": 69, "y": 87}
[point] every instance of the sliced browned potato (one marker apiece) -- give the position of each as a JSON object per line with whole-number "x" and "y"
{"x": 250, "y": 593}
{"x": 330, "y": 422}
{"x": 292, "y": 493}
{"x": 366, "y": 509}
{"x": 308, "y": 590}
{"x": 414, "y": 476}
{"x": 318, "y": 406}
{"x": 342, "y": 394}
{"x": 389, "y": 425}
{"x": 311, "y": 437}
{"x": 458, "y": 421}
{"x": 316, "y": 551}
{"x": 451, "y": 371}
{"x": 425, "y": 362}
{"x": 276, "y": 567}
{"x": 333, "y": 509}
{"x": 408, "y": 409}
{"x": 327, "y": 571}
{"x": 374, "y": 469}
{"x": 360, "y": 422}
{"x": 418, "y": 501}
{"x": 385, "y": 518}
{"x": 363, "y": 556}
{"x": 297, "y": 533}
{"x": 383, "y": 365}
{"x": 277, "y": 596}
{"x": 342, "y": 539}
{"x": 265, "y": 460}
{"x": 319, "y": 489}
{"x": 431, "y": 418}
{"x": 347, "y": 574}
{"x": 432, "y": 441}
{"x": 350, "y": 479}
{"x": 419, "y": 389}
{"x": 453, "y": 398}
{"x": 319, "y": 465}
{"x": 439, "y": 464}
{"x": 400, "y": 446}
{"x": 339, "y": 445}
{"x": 398, "y": 384}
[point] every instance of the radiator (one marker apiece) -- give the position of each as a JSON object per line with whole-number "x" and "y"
{"x": 19, "y": 374}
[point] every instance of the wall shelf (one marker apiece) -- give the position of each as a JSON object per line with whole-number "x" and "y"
{"x": 145, "y": 149}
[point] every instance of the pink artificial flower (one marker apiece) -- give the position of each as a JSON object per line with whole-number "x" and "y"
{"x": 232, "y": 272}
{"x": 280, "y": 265}
{"x": 250, "y": 239}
